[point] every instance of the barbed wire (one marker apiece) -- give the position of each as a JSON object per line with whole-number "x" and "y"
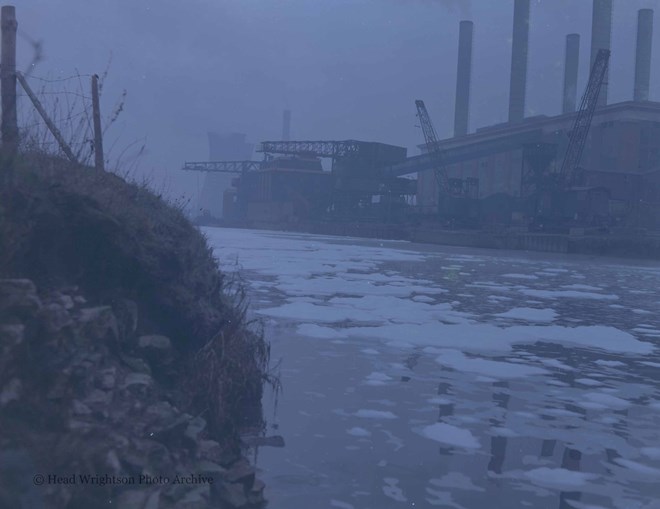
{"x": 64, "y": 92}
{"x": 56, "y": 80}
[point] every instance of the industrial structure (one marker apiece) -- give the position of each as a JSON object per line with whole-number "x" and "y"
{"x": 594, "y": 165}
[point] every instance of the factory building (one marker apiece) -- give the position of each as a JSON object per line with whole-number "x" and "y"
{"x": 594, "y": 165}
{"x": 623, "y": 143}
{"x": 286, "y": 190}
{"x": 622, "y": 151}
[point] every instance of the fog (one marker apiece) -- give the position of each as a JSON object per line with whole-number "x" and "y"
{"x": 346, "y": 69}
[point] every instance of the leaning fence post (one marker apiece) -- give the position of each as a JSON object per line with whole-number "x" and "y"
{"x": 49, "y": 123}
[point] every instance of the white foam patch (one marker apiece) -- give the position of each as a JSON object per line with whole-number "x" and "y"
{"x": 359, "y": 432}
{"x": 438, "y": 400}
{"x": 393, "y": 440}
{"x": 651, "y": 452}
{"x": 451, "y": 435}
{"x": 639, "y": 468}
{"x": 503, "y": 432}
{"x": 521, "y": 276}
{"x": 460, "y": 362}
{"x": 341, "y": 505}
{"x": 559, "y": 478}
{"x": 369, "y": 309}
{"x": 470, "y": 336}
{"x": 392, "y": 491}
{"x": 567, "y": 294}
{"x": 607, "y": 400}
{"x": 587, "y": 288}
{"x": 499, "y": 298}
{"x": 442, "y": 499}
{"x": 314, "y": 312}
{"x": 377, "y": 378}
{"x": 456, "y": 480}
{"x": 317, "y": 331}
{"x": 374, "y": 414}
{"x": 589, "y": 382}
{"x": 530, "y": 314}
{"x": 554, "y": 363}
{"x": 610, "y": 364}
{"x": 647, "y": 332}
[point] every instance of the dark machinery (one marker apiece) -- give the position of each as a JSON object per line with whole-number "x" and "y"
{"x": 290, "y": 181}
{"x": 223, "y": 166}
{"x": 357, "y": 176}
{"x": 560, "y": 198}
{"x": 570, "y": 173}
{"x": 448, "y": 186}
{"x": 457, "y": 198}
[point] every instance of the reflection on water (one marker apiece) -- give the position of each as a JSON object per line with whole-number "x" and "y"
{"x": 514, "y": 383}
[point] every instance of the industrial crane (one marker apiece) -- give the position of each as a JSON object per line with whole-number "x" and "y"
{"x": 553, "y": 189}
{"x": 453, "y": 187}
{"x": 569, "y": 174}
{"x": 431, "y": 139}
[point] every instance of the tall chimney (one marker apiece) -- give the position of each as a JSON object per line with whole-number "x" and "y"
{"x": 286, "y": 125}
{"x": 571, "y": 72}
{"x": 463, "y": 78}
{"x": 601, "y": 34}
{"x": 643, "y": 54}
{"x": 519, "y": 49}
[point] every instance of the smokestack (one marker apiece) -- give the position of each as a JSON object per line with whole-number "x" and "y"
{"x": 571, "y": 72}
{"x": 601, "y": 32}
{"x": 519, "y": 49}
{"x": 463, "y": 78}
{"x": 643, "y": 54}
{"x": 286, "y": 125}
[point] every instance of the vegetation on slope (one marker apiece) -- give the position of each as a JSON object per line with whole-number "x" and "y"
{"x": 120, "y": 277}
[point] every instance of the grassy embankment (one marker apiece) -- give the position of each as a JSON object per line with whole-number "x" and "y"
{"x": 124, "y": 311}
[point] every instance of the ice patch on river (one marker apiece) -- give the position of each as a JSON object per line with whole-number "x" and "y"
{"x": 404, "y": 360}
{"x": 559, "y": 478}
{"x": 450, "y": 435}
{"x": 530, "y": 314}
{"x": 458, "y": 361}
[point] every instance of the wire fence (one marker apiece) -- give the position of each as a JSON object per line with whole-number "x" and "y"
{"x": 67, "y": 101}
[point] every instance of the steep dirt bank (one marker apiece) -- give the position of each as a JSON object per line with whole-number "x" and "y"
{"x": 126, "y": 360}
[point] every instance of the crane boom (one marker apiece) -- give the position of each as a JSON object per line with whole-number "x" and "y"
{"x": 431, "y": 140}
{"x": 583, "y": 118}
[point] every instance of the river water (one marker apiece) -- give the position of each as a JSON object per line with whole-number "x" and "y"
{"x": 430, "y": 376}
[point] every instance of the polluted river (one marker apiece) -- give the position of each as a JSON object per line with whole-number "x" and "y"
{"x": 431, "y": 376}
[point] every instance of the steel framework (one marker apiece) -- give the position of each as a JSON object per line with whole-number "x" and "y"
{"x": 223, "y": 166}
{"x": 431, "y": 139}
{"x": 333, "y": 149}
{"x": 448, "y": 186}
{"x": 569, "y": 167}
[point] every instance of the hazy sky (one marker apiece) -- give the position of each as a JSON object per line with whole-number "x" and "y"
{"x": 346, "y": 68}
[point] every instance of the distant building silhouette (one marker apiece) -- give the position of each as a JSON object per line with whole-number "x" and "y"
{"x": 222, "y": 147}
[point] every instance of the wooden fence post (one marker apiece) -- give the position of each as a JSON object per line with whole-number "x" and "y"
{"x": 98, "y": 134}
{"x": 9, "y": 128}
